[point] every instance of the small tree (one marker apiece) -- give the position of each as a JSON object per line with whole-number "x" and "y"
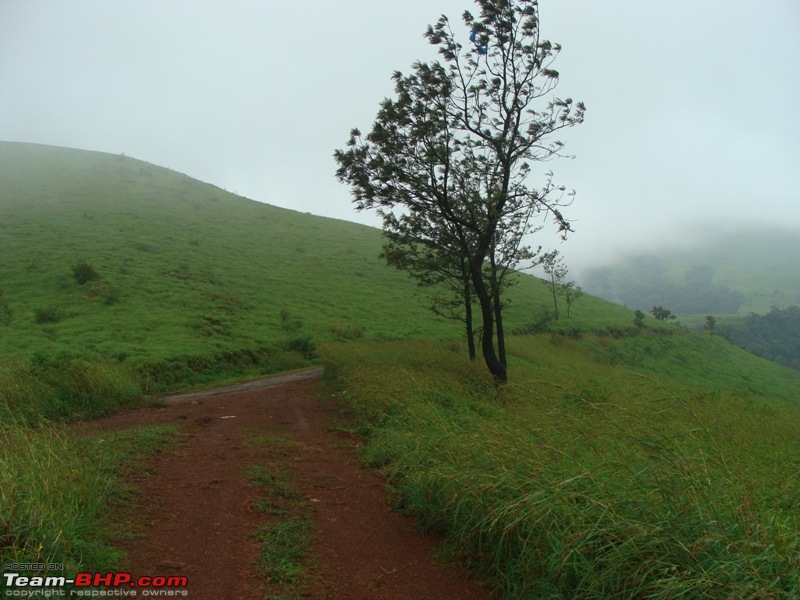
{"x": 638, "y": 319}
{"x": 571, "y": 294}
{"x": 711, "y": 323}
{"x": 556, "y": 271}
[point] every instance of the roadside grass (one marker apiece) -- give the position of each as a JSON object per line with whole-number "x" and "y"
{"x": 45, "y": 389}
{"x": 600, "y": 470}
{"x": 56, "y": 492}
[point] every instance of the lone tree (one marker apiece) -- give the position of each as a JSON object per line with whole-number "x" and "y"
{"x": 447, "y": 162}
{"x": 662, "y": 314}
{"x": 556, "y": 271}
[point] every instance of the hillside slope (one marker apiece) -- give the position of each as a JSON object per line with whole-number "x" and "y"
{"x": 187, "y": 269}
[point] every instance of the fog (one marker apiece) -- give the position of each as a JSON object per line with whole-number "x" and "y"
{"x": 691, "y": 122}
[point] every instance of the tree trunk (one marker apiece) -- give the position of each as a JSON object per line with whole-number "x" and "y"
{"x": 468, "y": 320}
{"x": 496, "y": 368}
{"x": 555, "y": 296}
{"x": 498, "y": 313}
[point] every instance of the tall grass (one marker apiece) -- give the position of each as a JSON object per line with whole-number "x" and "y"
{"x": 56, "y": 492}
{"x": 582, "y": 479}
{"x": 52, "y": 389}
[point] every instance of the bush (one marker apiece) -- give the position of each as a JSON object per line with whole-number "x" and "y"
{"x": 83, "y": 273}
{"x": 112, "y": 297}
{"x": 290, "y": 323}
{"x": 346, "y": 333}
{"x": 49, "y": 314}
{"x": 5, "y": 314}
{"x": 303, "y": 345}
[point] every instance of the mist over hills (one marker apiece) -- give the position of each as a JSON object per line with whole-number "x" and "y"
{"x": 736, "y": 269}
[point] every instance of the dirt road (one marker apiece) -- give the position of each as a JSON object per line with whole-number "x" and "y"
{"x": 198, "y": 510}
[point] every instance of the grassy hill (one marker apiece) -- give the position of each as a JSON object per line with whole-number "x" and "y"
{"x": 617, "y": 463}
{"x": 187, "y": 269}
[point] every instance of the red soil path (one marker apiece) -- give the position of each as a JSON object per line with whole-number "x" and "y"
{"x": 195, "y": 515}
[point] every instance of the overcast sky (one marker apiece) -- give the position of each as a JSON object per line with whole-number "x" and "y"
{"x": 693, "y": 105}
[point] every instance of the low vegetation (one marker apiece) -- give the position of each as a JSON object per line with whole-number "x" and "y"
{"x": 286, "y": 539}
{"x": 607, "y": 468}
{"x": 625, "y": 458}
{"x": 57, "y": 492}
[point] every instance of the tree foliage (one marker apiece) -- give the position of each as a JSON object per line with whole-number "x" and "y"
{"x": 447, "y": 162}
{"x": 774, "y": 336}
{"x": 662, "y": 314}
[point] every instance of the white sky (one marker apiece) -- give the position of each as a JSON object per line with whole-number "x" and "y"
{"x": 693, "y": 105}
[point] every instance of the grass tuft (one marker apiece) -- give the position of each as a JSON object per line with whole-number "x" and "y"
{"x": 56, "y": 492}
{"x": 283, "y": 545}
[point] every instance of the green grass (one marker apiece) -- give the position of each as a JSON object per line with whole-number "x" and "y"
{"x": 55, "y": 490}
{"x": 193, "y": 282}
{"x": 46, "y": 389}
{"x": 56, "y": 493}
{"x": 275, "y": 487}
{"x": 283, "y": 545}
{"x": 603, "y": 470}
{"x": 286, "y": 539}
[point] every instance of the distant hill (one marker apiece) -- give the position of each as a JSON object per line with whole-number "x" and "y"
{"x": 737, "y": 271}
{"x": 187, "y": 269}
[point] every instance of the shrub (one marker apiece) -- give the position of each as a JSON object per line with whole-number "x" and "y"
{"x": 305, "y": 346}
{"x": 346, "y": 333}
{"x": 290, "y": 323}
{"x": 112, "y": 297}
{"x": 49, "y": 314}
{"x": 5, "y": 314}
{"x": 83, "y": 273}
